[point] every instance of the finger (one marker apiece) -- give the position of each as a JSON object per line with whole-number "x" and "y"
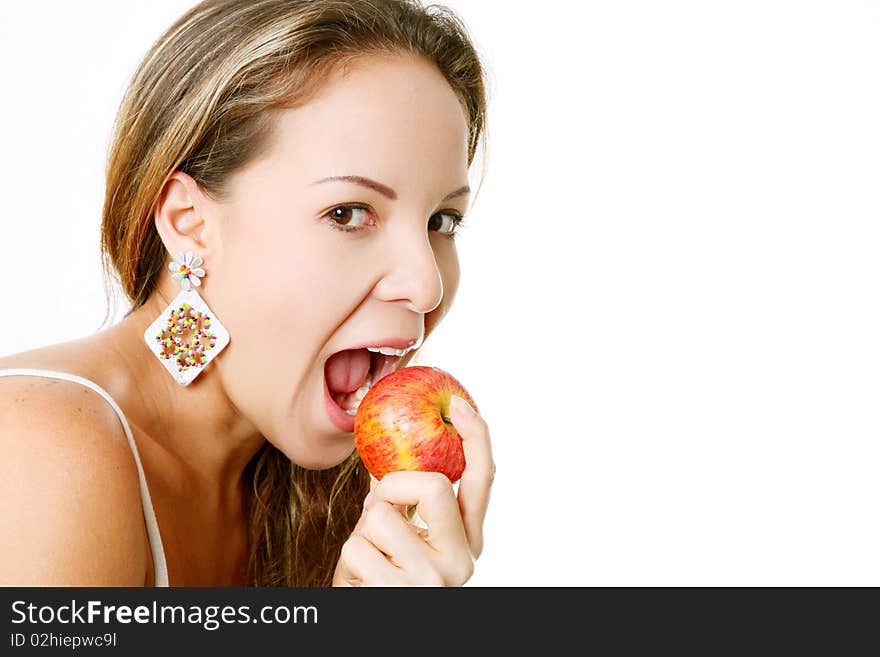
{"x": 373, "y": 482}
{"x": 363, "y": 564}
{"x": 406, "y": 511}
{"x": 479, "y": 472}
{"x": 432, "y": 494}
{"x": 385, "y": 528}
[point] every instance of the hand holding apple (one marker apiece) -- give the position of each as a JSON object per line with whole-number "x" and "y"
{"x": 403, "y": 423}
{"x": 383, "y": 549}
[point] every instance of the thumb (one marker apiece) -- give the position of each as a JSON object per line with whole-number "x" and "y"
{"x": 479, "y": 471}
{"x": 462, "y": 408}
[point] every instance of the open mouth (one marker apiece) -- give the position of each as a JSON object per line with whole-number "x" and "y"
{"x": 350, "y": 373}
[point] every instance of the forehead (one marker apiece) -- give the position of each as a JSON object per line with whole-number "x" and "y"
{"x": 380, "y": 117}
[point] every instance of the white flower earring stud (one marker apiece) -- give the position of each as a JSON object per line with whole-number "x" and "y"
{"x": 187, "y": 271}
{"x": 186, "y": 336}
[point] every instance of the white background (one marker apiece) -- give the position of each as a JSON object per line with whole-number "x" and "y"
{"x": 668, "y": 312}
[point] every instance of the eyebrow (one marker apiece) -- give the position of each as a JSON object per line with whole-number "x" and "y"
{"x": 384, "y": 189}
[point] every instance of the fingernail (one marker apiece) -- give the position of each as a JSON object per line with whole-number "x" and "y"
{"x": 462, "y": 406}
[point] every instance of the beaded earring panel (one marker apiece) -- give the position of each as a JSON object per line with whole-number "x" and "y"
{"x": 186, "y": 336}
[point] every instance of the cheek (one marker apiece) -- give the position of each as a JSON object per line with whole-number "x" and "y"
{"x": 297, "y": 292}
{"x": 279, "y": 289}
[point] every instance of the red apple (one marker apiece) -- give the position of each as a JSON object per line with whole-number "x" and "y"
{"x": 403, "y": 423}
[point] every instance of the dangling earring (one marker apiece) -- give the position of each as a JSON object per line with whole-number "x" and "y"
{"x": 186, "y": 336}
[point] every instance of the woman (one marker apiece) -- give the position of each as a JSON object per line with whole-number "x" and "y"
{"x": 308, "y": 161}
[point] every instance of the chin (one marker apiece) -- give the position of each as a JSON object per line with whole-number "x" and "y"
{"x": 324, "y": 456}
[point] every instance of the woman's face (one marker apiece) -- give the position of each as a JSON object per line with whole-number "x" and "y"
{"x": 293, "y": 288}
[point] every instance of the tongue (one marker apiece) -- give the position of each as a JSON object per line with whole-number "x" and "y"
{"x": 347, "y": 370}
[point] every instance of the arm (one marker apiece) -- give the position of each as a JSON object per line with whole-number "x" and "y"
{"x": 69, "y": 500}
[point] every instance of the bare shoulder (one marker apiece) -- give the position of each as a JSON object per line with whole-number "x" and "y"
{"x": 69, "y": 488}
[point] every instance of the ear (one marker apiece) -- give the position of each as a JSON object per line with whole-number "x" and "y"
{"x": 179, "y": 215}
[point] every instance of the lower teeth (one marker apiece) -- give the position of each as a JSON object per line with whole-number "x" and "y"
{"x": 359, "y": 394}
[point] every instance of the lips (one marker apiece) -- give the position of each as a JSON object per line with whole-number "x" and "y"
{"x": 398, "y": 343}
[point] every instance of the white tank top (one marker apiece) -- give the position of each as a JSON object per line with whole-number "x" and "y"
{"x": 160, "y": 569}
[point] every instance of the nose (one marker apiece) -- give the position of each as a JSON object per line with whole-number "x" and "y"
{"x": 412, "y": 275}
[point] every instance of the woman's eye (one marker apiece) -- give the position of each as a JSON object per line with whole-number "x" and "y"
{"x": 445, "y": 223}
{"x": 343, "y": 216}
{"x": 352, "y": 218}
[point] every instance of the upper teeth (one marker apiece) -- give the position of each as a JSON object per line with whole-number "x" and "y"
{"x": 388, "y": 351}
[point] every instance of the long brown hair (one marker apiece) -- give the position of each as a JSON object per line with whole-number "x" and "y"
{"x": 201, "y": 102}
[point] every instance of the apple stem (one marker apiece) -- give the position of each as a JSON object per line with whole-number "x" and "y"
{"x": 446, "y": 419}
